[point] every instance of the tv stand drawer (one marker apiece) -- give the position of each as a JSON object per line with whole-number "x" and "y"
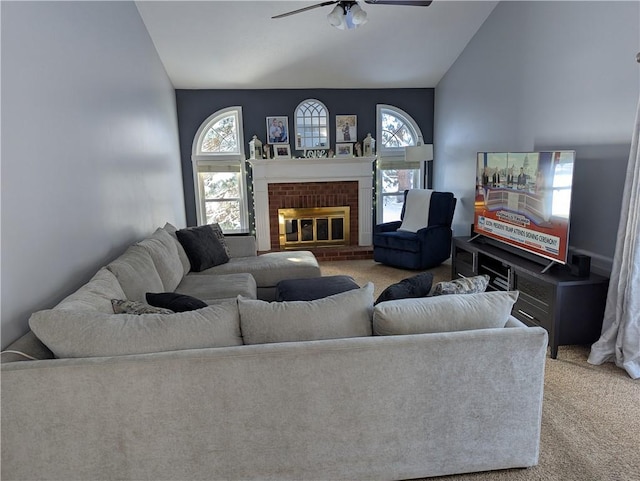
{"x": 531, "y": 317}
{"x": 535, "y": 294}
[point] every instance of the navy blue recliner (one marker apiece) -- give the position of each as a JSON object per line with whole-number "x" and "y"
{"x": 428, "y": 247}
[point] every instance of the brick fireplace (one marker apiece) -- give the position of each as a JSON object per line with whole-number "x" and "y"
{"x": 305, "y": 183}
{"x": 303, "y": 195}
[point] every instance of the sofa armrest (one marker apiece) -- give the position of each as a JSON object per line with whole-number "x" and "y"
{"x": 242, "y": 246}
{"x": 387, "y": 227}
{"x": 26, "y": 348}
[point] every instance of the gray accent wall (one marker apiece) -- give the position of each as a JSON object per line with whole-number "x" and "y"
{"x": 546, "y": 75}
{"x": 90, "y": 154}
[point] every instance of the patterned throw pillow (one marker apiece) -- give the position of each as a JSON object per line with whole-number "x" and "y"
{"x": 464, "y": 285}
{"x": 123, "y": 306}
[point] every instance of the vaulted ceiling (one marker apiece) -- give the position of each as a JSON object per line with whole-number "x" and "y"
{"x": 236, "y": 44}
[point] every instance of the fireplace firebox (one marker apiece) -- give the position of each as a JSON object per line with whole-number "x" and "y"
{"x": 314, "y": 227}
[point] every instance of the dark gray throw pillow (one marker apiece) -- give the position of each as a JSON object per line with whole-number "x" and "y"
{"x": 416, "y": 286}
{"x": 217, "y": 230}
{"x": 203, "y": 247}
{"x": 174, "y": 301}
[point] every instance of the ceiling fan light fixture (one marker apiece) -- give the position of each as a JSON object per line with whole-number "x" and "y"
{"x": 359, "y": 16}
{"x": 347, "y": 15}
{"x": 335, "y": 17}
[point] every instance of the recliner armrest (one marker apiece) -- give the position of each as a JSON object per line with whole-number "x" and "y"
{"x": 427, "y": 231}
{"x": 387, "y": 226}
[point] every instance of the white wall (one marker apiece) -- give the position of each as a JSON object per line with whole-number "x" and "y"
{"x": 546, "y": 75}
{"x": 90, "y": 156}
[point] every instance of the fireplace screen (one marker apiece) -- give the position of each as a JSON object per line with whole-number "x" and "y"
{"x": 317, "y": 226}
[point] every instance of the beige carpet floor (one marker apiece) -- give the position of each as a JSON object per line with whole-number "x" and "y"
{"x": 590, "y": 414}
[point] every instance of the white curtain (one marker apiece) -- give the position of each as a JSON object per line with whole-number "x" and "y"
{"x": 620, "y": 339}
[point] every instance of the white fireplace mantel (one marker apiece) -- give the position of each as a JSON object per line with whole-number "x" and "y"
{"x": 278, "y": 171}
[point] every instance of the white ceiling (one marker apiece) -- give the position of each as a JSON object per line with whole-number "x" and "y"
{"x": 236, "y": 44}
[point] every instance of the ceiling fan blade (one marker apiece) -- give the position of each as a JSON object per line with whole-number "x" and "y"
{"x": 311, "y": 7}
{"x": 414, "y": 3}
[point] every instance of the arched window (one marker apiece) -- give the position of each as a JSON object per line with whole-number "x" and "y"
{"x": 312, "y": 125}
{"x": 219, "y": 174}
{"x": 396, "y": 130}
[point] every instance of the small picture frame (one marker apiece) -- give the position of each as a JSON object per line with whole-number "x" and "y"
{"x": 346, "y": 128}
{"x": 281, "y": 151}
{"x": 278, "y": 130}
{"x": 344, "y": 150}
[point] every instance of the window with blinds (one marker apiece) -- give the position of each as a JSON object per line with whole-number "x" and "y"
{"x": 219, "y": 173}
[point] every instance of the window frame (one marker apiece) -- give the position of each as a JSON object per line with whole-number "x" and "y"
{"x": 299, "y": 134}
{"x": 225, "y": 162}
{"x": 388, "y": 156}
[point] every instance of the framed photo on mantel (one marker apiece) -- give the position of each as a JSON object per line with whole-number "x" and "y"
{"x": 281, "y": 151}
{"x": 277, "y": 130}
{"x": 344, "y": 150}
{"x": 346, "y": 128}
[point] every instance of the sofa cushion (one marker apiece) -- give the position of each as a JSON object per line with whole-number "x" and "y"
{"x": 443, "y": 313}
{"x": 136, "y": 273}
{"x": 202, "y": 247}
{"x": 175, "y": 301}
{"x": 347, "y": 314}
{"x": 164, "y": 253}
{"x": 94, "y": 334}
{"x": 270, "y": 268}
{"x": 415, "y": 286}
{"x": 124, "y": 306}
{"x": 464, "y": 285}
{"x": 210, "y": 289}
{"x": 184, "y": 260}
{"x": 95, "y": 294}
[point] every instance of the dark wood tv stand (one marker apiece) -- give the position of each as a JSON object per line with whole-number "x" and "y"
{"x": 570, "y": 308}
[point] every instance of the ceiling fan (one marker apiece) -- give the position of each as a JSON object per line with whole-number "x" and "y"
{"x": 348, "y": 14}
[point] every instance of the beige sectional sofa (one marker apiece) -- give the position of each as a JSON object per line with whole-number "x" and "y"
{"x": 246, "y": 389}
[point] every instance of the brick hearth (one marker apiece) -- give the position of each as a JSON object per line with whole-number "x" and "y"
{"x": 346, "y": 253}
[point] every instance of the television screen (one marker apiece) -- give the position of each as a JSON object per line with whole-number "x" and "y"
{"x": 524, "y": 199}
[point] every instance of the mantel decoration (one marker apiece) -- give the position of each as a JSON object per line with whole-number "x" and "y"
{"x": 281, "y": 151}
{"x": 369, "y": 146}
{"x": 344, "y": 150}
{"x": 278, "y": 130}
{"x": 255, "y": 148}
{"x": 317, "y": 153}
{"x": 346, "y": 128}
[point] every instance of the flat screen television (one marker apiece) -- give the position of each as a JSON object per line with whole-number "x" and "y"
{"x": 524, "y": 199}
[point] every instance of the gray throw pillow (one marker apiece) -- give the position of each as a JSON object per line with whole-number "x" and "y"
{"x": 347, "y": 314}
{"x": 483, "y": 310}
